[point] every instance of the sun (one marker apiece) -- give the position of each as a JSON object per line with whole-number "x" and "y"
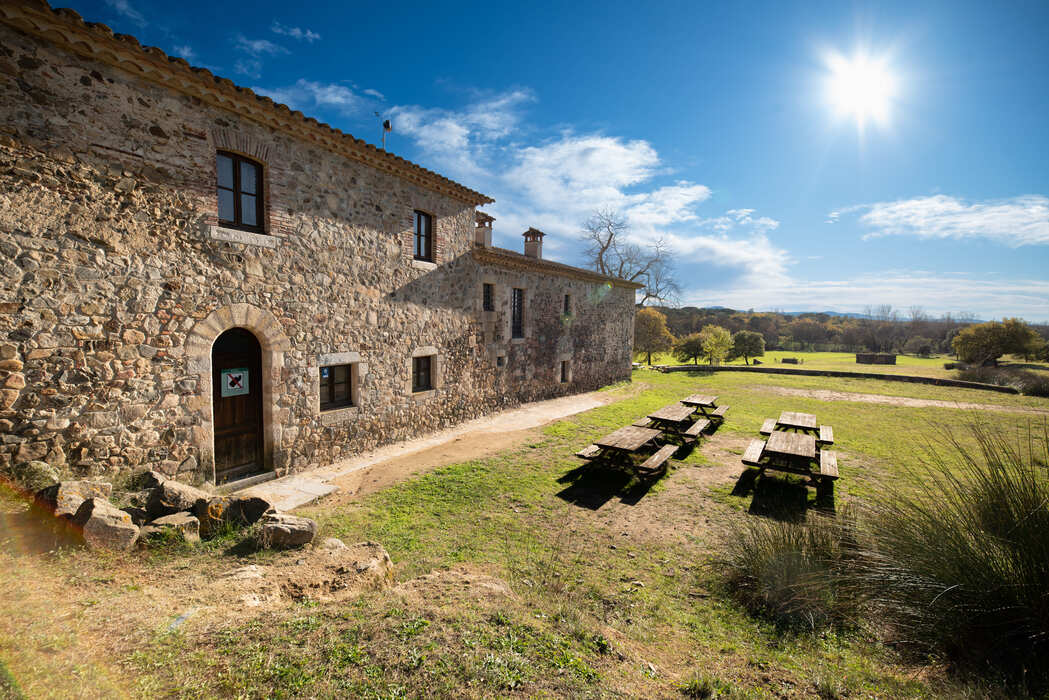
{"x": 861, "y": 87}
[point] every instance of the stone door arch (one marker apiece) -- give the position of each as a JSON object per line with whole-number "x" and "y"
{"x": 273, "y": 343}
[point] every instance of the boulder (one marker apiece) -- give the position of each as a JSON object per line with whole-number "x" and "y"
{"x": 66, "y": 497}
{"x": 283, "y": 531}
{"x": 182, "y": 525}
{"x": 172, "y": 497}
{"x": 104, "y": 525}
{"x": 139, "y": 516}
{"x": 145, "y": 480}
{"x": 236, "y": 511}
{"x": 35, "y": 475}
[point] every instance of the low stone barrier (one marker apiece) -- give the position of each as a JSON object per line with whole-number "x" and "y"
{"x": 839, "y": 373}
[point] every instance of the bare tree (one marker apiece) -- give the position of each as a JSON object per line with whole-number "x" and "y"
{"x": 609, "y": 253}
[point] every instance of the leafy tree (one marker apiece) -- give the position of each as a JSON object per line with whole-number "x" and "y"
{"x": 716, "y": 342}
{"x": 650, "y": 333}
{"x": 918, "y": 345}
{"x": 748, "y": 344}
{"x": 984, "y": 343}
{"x": 689, "y": 348}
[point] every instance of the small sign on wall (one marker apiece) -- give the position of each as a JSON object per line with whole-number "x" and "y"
{"x": 234, "y": 382}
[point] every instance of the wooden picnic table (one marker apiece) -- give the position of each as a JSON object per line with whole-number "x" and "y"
{"x": 706, "y": 405}
{"x": 628, "y": 439}
{"x": 797, "y": 453}
{"x": 797, "y": 421}
{"x": 798, "y": 448}
{"x": 621, "y": 446}
{"x": 703, "y": 400}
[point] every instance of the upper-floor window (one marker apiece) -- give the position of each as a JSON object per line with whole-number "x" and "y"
{"x": 568, "y": 305}
{"x": 423, "y": 236}
{"x": 239, "y": 192}
{"x": 488, "y": 297}
{"x": 517, "y": 313}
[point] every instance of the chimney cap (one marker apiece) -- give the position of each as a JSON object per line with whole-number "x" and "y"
{"x": 533, "y": 234}
{"x": 481, "y": 218}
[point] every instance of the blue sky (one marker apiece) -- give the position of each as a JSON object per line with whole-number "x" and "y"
{"x": 711, "y": 126}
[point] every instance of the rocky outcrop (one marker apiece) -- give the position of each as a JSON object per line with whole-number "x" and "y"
{"x": 104, "y": 525}
{"x": 66, "y": 497}
{"x": 35, "y": 475}
{"x": 283, "y": 531}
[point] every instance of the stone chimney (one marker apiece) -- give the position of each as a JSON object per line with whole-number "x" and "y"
{"x": 483, "y": 233}
{"x": 533, "y": 243}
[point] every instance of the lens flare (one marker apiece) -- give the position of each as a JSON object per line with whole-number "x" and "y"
{"x": 861, "y": 87}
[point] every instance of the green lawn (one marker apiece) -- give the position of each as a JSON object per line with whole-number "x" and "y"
{"x": 621, "y": 600}
{"x": 846, "y": 362}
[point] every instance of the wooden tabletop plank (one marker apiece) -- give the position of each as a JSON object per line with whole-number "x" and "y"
{"x": 793, "y": 444}
{"x": 792, "y": 419}
{"x": 676, "y": 412}
{"x": 630, "y": 438}
{"x": 699, "y": 400}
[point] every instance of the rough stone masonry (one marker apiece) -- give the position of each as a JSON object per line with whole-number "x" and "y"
{"x": 117, "y": 276}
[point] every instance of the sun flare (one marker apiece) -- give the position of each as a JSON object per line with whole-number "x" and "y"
{"x": 861, "y": 87}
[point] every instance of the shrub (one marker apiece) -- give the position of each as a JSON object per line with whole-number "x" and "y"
{"x": 1024, "y": 381}
{"x": 793, "y": 572}
{"x": 960, "y": 566}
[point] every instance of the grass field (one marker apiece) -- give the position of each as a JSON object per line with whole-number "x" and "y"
{"x": 846, "y": 362}
{"x": 610, "y": 589}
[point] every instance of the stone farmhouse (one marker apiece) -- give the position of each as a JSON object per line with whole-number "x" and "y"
{"x": 199, "y": 280}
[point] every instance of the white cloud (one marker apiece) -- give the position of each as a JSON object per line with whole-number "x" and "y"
{"x": 374, "y": 93}
{"x": 251, "y": 67}
{"x": 307, "y": 94}
{"x": 185, "y": 51}
{"x": 258, "y": 47}
{"x": 123, "y": 7}
{"x": 1015, "y": 222}
{"x": 295, "y": 32}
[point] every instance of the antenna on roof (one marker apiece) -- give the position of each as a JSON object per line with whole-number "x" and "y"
{"x": 387, "y": 127}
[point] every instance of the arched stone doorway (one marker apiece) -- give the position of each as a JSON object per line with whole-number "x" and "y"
{"x": 269, "y": 334}
{"x": 236, "y": 365}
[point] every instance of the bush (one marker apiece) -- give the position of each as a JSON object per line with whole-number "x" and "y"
{"x": 961, "y": 566}
{"x": 1024, "y": 381}
{"x": 793, "y": 572}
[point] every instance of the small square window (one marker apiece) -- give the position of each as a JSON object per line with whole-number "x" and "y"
{"x": 489, "y": 297}
{"x": 423, "y": 236}
{"x": 336, "y": 385}
{"x": 239, "y": 192}
{"x": 422, "y": 379}
{"x": 500, "y": 361}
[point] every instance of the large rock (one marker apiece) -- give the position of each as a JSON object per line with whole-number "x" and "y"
{"x": 283, "y": 531}
{"x": 172, "y": 497}
{"x": 145, "y": 479}
{"x": 35, "y": 475}
{"x": 66, "y": 497}
{"x": 219, "y": 512}
{"x": 104, "y": 525}
{"x": 181, "y": 525}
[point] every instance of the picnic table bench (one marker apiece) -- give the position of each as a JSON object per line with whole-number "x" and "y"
{"x": 676, "y": 419}
{"x": 620, "y": 447}
{"x": 800, "y": 422}
{"x": 795, "y": 453}
{"x": 707, "y": 406}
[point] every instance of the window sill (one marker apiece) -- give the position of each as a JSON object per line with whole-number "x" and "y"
{"x": 232, "y": 235}
{"x": 334, "y": 416}
{"x": 517, "y": 341}
{"x": 423, "y": 264}
{"x": 424, "y": 395}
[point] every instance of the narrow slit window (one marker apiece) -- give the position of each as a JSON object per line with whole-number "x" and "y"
{"x": 564, "y": 371}
{"x": 422, "y": 370}
{"x": 240, "y": 199}
{"x": 488, "y": 297}
{"x": 517, "y": 313}
{"x": 336, "y": 386}
{"x": 568, "y": 305}
{"x": 423, "y": 236}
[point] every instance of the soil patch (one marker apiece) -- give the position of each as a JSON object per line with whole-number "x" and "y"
{"x": 827, "y": 395}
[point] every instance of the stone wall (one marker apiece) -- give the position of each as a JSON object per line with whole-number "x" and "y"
{"x": 117, "y": 279}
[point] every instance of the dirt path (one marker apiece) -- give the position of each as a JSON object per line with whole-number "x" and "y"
{"x": 826, "y": 395}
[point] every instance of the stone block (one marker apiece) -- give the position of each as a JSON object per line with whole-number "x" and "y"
{"x": 66, "y": 497}
{"x": 181, "y": 525}
{"x": 103, "y": 525}
{"x": 233, "y": 510}
{"x": 173, "y": 497}
{"x": 283, "y": 531}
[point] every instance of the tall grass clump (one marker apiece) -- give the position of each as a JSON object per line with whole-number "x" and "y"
{"x": 959, "y": 566}
{"x": 794, "y": 572}
{"x": 1024, "y": 381}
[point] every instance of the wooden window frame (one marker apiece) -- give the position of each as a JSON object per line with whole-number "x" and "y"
{"x": 328, "y": 386}
{"x": 488, "y": 296}
{"x": 417, "y": 387}
{"x": 517, "y": 295}
{"x": 260, "y": 193}
{"x": 426, "y": 255}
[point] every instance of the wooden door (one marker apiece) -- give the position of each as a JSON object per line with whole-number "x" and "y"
{"x": 236, "y": 361}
